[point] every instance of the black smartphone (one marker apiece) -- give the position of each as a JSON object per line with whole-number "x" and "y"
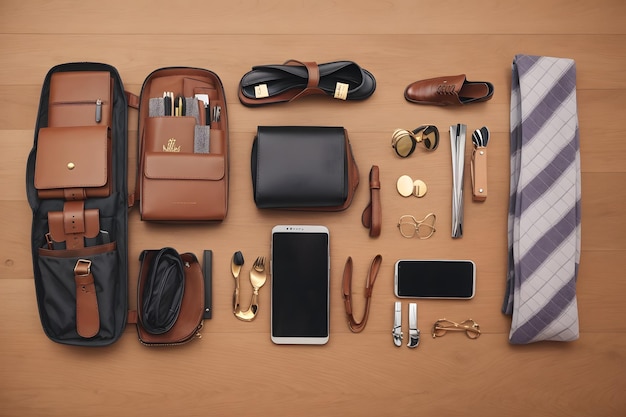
{"x": 435, "y": 279}
{"x": 300, "y": 264}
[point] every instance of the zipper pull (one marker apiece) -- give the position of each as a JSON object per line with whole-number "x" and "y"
{"x": 98, "y": 111}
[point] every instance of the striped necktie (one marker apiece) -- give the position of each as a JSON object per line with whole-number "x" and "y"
{"x": 544, "y": 205}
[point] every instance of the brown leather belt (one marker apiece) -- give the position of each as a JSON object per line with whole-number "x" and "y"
{"x": 372, "y": 215}
{"x": 354, "y": 325}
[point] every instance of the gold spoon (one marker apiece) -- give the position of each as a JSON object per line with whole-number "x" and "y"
{"x": 235, "y": 267}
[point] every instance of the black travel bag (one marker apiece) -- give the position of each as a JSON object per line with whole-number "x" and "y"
{"x": 76, "y": 183}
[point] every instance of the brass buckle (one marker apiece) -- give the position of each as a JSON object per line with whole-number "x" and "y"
{"x": 82, "y": 265}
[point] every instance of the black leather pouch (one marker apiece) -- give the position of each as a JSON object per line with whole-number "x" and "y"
{"x": 303, "y": 167}
{"x": 163, "y": 292}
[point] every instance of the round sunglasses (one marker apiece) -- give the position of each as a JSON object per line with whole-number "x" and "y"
{"x": 405, "y": 141}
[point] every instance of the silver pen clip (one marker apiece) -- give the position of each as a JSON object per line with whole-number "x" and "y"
{"x": 397, "y": 324}
{"x": 414, "y": 333}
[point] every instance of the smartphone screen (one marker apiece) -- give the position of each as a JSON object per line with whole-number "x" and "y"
{"x": 435, "y": 279}
{"x": 300, "y": 285}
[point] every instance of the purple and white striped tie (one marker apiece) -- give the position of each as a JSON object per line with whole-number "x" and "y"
{"x": 544, "y": 207}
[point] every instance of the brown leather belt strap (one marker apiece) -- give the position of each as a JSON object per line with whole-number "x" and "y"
{"x": 313, "y": 80}
{"x": 354, "y": 325}
{"x": 372, "y": 215}
{"x": 73, "y": 224}
{"x": 87, "y": 315}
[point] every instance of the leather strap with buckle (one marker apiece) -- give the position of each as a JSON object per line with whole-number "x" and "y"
{"x": 73, "y": 224}
{"x": 372, "y": 215}
{"x": 354, "y": 325}
{"x": 87, "y": 315}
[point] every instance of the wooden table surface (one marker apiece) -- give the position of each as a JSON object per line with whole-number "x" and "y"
{"x": 235, "y": 369}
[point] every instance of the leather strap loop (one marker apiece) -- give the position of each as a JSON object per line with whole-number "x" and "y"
{"x": 312, "y": 86}
{"x": 87, "y": 315}
{"x": 354, "y": 325}
{"x": 132, "y": 99}
{"x": 372, "y": 215}
{"x": 74, "y": 224}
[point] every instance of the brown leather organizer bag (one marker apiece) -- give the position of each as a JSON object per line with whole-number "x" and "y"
{"x": 183, "y": 163}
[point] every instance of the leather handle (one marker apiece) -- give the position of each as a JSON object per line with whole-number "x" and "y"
{"x": 87, "y": 315}
{"x": 372, "y": 215}
{"x": 478, "y": 171}
{"x": 357, "y": 326}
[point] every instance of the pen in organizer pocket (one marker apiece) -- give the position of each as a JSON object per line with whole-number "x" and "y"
{"x": 167, "y": 104}
{"x": 202, "y": 133}
{"x": 179, "y": 106}
{"x": 204, "y": 98}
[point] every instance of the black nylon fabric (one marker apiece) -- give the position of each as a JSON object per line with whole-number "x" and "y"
{"x": 163, "y": 292}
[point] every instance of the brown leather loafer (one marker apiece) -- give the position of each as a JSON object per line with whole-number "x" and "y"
{"x": 448, "y": 91}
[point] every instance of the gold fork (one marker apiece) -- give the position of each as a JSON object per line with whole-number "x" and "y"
{"x": 258, "y": 276}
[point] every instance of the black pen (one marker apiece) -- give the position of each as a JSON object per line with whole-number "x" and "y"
{"x": 167, "y": 104}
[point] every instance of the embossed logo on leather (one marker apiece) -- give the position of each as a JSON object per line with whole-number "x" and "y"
{"x": 171, "y": 146}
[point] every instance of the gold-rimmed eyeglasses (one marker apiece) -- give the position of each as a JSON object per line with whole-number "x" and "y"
{"x": 469, "y": 326}
{"x": 405, "y": 141}
{"x": 410, "y": 227}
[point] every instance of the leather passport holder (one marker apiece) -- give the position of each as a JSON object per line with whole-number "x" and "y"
{"x": 81, "y": 98}
{"x": 73, "y": 160}
{"x": 303, "y": 167}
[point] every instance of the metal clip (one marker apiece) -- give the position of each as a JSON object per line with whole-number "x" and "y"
{"x": 98, "y": 110}
{"x": 397, "y": 324}
{"x": 414, "y": 333}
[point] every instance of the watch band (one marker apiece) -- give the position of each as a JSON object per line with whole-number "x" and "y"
{"x": 372, "y": 215}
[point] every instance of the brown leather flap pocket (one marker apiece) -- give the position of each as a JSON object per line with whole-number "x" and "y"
{"x": 181, "y": 166}
{"x": 72, "y": 157}
{"x": 80, "y": 98}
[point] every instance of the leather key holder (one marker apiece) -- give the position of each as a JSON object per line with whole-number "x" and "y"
{"x": 372, "y": 215}
{"x": 478, "y": 170}
{"x": 87, "y": 315}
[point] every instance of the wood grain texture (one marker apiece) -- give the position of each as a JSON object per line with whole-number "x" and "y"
{"x": 235, "y": 369}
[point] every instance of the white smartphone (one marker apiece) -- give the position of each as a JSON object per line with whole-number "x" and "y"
{"x": 435, "y": 279}
{"x": 300, "y": 296}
